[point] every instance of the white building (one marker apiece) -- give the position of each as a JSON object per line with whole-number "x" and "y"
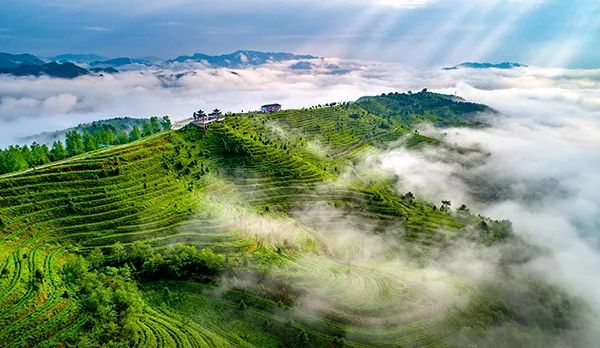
{"x": 266, "y": 109}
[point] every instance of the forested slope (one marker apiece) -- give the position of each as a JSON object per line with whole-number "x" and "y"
{"x": 264, "y": 230}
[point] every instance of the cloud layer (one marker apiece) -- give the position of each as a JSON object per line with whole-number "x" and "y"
{"x": 537, "y": 165}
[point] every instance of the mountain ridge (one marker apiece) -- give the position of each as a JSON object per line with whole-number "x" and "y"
{"x": 84, "y": 58}
{"x": 241, "y": 58}
{"x": 73, "y": 65}
{"x": 486, "y": 65}
{"x": 53, "y": 69}
{"x": 8, "y": 60}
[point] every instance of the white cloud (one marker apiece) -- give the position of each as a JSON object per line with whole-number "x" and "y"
{"x": 542, "y": 172}
{"x": 62, "y": 103}
{"x": 97, "y": 29}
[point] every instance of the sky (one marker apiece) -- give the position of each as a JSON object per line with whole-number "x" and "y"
{"x": 554, "y": 33}
{"x": 543, "y": 167}
{"x": 543, "y": 146}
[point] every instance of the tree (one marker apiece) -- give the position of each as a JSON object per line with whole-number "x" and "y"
{"x": 12, "y": 160}
{"x": 109, "y": 137}
{"x": 199, "y": 114}
{"x": 122, "y": 137}
{"x": 155, "y": 126}
{"x": 445, "y": 205}
{"x": 39, "y": 154}
{"x": 26, "y": 154}
{"x": 89, "y": 142}
{"x": 135, "y": 134}
{"x": 96, "y": 258}
{"x": 74, "y": 142}
{"x": 146, "y": 129}
{"x": 409, "y": 197}
{"x": 118, "y": 251}
{"x": 165, "y": 123}
{"x": 58, "y": 151}
{"x": 139, "y": 253}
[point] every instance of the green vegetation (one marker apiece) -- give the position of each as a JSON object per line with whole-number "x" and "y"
{"x": 414, "y": 108}
{"x": 261, "y": 231}
{"x": 93, "y": 136}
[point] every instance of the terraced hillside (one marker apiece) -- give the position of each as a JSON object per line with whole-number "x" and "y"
{"x": 262, "y": 231}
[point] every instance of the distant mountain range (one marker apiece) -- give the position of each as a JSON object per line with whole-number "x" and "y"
{"x": 77, "y": 58}
{"x": 8, "y": 61}
{"x": 30, "y": 65}
{"x": 53, "y": 69}
{"x": 240, "y": 58}
{"x": 123, "y": 61}
{"x": 75, "y": 65}
{"x": 484, "y": 65}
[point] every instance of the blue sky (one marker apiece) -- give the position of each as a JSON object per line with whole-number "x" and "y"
{"x": 413, "y": 32}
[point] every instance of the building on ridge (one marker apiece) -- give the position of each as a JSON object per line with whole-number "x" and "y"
{"x": 269, "y": 108}
{"x": 202, "y": 120}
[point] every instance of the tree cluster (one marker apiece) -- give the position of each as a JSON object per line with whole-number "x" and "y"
{"x": 16, "y": 158}
{"x": 110, "y": 300}
{"x": 181, "y": 262}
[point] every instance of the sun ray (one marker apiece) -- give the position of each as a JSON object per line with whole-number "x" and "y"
{"x": 502, "y": 29}
{"x": 336, "y": 40}
{"x": 562, "y": 50}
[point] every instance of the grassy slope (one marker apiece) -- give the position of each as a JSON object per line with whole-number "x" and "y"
{"x": 203, "y": 188}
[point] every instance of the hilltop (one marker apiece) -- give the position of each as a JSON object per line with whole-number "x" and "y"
{"x": 116, "y": 124}
{"x": 53, "y": 69}
{"x": 264, "y": 230}
{"x": 8, "y": 61}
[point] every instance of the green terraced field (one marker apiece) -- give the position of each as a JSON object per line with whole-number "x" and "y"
{"x": 308, "y": 249}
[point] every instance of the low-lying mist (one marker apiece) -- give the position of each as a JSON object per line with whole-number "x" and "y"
{"x": 538, "y": 164}
{"x": 31, "y": 105}
{"x": 340, "y": 265}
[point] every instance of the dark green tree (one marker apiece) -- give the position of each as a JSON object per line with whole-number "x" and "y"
{"x": 26, "y": 153}
{"x": 118, "y": 252}
{"x": 165, "y": 123}
{"x": 146, "y": 129}
{"x": 74, "y": 142}
{"x": 58, "y": 151}
{"x": 135, "y": 134}
{"x": 122, "y": 137}
{"x": 89, "y": 142}
{"x": 39, "y": 154}
{"x": 12, "y": 160}
{"x": 445, "y": 205}
{"x": 110, "y": 138}
{"x": 155, "y": 125}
